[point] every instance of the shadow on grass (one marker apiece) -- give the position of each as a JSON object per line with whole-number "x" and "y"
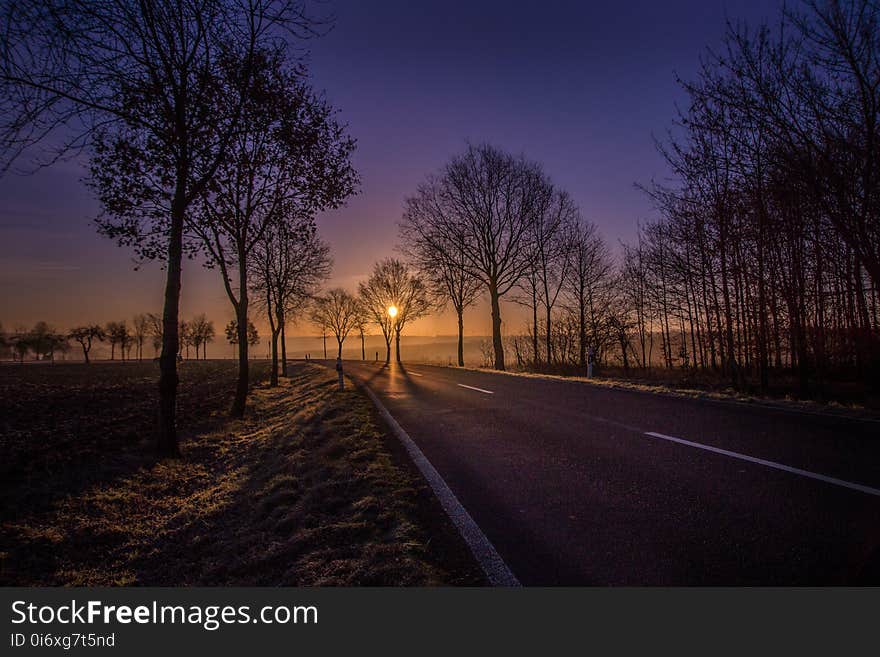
{"x": 301, "y": 492}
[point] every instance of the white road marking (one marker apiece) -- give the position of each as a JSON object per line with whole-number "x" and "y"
{"x": 488, "y": 392}
{"x": 497, "y": 571}
{"x": 413, "y": 373}
{"x": 769, "y": 464}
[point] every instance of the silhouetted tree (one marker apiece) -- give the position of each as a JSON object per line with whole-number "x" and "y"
{"x": 185, "y": 330}
{"x": 140, "y": 327}
{"x": 44, "y": 341}
{"x": 392, "y": 285}
{"x": 85, "y": 335}
{"x": 117, "y": 335}
{"x": 337, "y": 310}
{"x": 552, "y": 245}
{"x": 202, "y": 332}
{"x": 288, "y": 266}
{"x": 587, "y": 284}
{"x": 361, "y": 324}
{"x": 434, "y": 242}
{"x": 155, "y": 328}
{"x": 490, "y": 201}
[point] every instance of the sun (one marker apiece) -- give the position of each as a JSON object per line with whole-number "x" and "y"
{"x": 392, "y": 311}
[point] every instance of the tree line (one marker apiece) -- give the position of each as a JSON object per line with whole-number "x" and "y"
{"x": 43, "y": 341}
{"x": 494, "y": 224}
{"x": 765, "y": 258}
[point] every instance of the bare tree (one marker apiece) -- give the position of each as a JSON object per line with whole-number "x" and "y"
{"x": 289, "y": 265}
{"x": 156, "y": 326}
{"x": 337, "y": 310}
{"x": 434, "y": 242}
{"x": 552, "y": 242}
{"x": 202, "y": 332}
{"x": 85, "y": 335}
{"x": 140, "y": 326}
{"x": 141, "y": 86}
{"x": 492, "y": 199}
{"x": 394, "y": 297}
{"x": 117, "y": 334}
{"x": 586, "y": 282}
{"x": 186, "y": 338}
{"x": 376, "y": 300}
{"x": 361, "y": 325}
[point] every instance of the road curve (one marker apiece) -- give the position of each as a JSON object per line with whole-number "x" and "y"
{"x": 577, "y": 484}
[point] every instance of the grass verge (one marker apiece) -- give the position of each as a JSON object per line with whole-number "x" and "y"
{"x": 719, "y": 393}
{"x": 306, "y": 490}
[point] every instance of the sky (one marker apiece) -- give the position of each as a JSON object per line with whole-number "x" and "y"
{"x": 581, "y": 87}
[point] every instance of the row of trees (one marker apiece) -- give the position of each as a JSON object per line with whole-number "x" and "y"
{"x": 493, "y": 223}
{"x": 389, "y": 300}
{"x": 201, "y": 129}
{"x": 767, "y": 254}
{"x": 43, "y": 341}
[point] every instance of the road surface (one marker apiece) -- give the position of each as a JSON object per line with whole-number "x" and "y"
{"x": 576, "y": 484}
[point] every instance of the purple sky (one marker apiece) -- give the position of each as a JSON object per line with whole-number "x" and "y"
{"x": 580, "y": 87}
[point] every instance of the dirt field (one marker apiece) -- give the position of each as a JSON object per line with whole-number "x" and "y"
{"x": 307, "y": 490}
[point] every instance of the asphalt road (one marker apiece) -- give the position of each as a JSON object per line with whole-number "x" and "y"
{"x": 566, "y": 481}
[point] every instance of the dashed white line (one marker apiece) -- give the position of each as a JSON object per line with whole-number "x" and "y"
{"x": 488, "y": 392}
{"x": 408, "y": 373}
{"x": 769, "y": 464}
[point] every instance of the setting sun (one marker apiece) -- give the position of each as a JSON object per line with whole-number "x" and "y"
{"x": 392, "y": 311}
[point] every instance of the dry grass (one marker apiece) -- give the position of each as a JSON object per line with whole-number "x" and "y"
{"x": 304, "y": 491}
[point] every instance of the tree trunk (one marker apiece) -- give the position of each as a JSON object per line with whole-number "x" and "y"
{"x": 549, "y": 338}
{"x": 273, "y": 379}
{"x": 241, "y": 312}
{"x": 339, "y": 353}
{"x": 166, "y": 442}
{"x": 324, "y": 338}
{"x": 461, "y": 337}
{"x": 497, "y": 345}
{"x": 397, "y": 345}
{"x": 536, "y": 358}
{"x": 363, "y": 347}
{"x": 86, "y": 355}
{"x": 275, "y": 330}
{"x": 282, "y": 320}
{"x": 582, "y": 332}
{"x": 388, "y": 349}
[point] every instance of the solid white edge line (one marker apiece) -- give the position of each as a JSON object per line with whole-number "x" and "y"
{"x": 769, "y": 464}
{"x": 497, "y": 571}
{"x": 488, "y": 392}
